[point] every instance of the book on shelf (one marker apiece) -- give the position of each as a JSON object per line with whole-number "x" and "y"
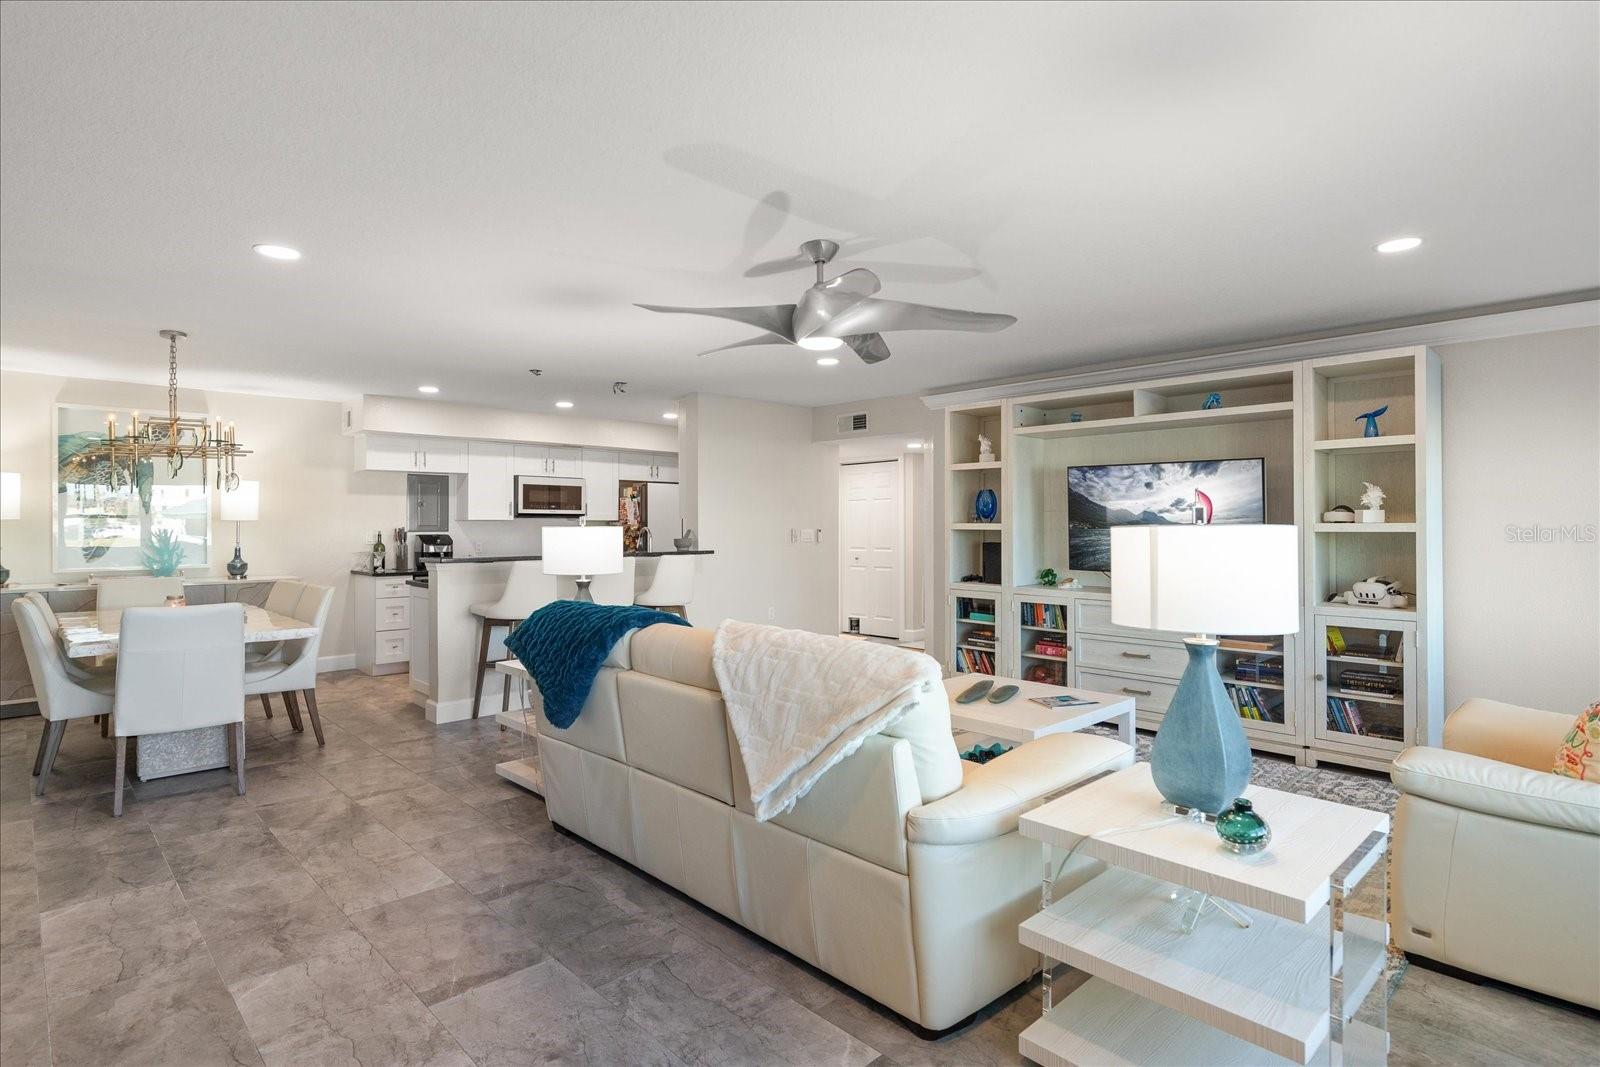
{"x": 1045, "y": 616}
{"x": 968, "y": 607}
{"x": 1252, "y": 703}
{"x": 1245, "y": 644}
{"x": 1257, "y": 671}
{"x": 971, "y": 661}
{"x": 1047, "y": 647}
{"x": 1375, "y": 682}
{"x": 1336, "y": 642}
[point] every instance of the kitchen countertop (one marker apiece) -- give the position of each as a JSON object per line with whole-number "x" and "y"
{"x": 626, "y": 555}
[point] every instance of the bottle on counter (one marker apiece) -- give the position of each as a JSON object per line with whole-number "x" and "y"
{"x": 379, "y": 553}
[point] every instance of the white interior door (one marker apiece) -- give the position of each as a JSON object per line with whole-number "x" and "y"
{"x": 870, "y": 539}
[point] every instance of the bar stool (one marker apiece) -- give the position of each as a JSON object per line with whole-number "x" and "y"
{"x": 672, "y": 588}
{"x": 527, "y": 590}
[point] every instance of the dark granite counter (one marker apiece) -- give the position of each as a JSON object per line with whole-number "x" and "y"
{"x": 516, "y": 559}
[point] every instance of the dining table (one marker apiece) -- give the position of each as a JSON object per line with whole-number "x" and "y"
{"x": 89, "y": 634}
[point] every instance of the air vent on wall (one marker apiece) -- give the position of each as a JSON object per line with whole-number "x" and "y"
{"x": 856, "y": 423}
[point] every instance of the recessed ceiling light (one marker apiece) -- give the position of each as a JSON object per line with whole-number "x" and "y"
{"x": 277, "y": 251}
{"x": 563, "y": 403}
{"x": 427, "y": 389}
{"x": 913, "y": 445}
{"x": 669, "y": 414}
{"x": 1399, "y": 244}
{"x": 828, "y": 361}
{"x": 820, "y": 344}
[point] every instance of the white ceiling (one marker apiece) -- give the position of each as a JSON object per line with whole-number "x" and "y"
{"x": 483, "y": 188}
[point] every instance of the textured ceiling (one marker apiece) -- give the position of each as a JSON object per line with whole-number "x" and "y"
{"x": 480, "y": 189}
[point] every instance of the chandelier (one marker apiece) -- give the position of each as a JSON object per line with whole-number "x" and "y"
{"x": 173, "y": 439}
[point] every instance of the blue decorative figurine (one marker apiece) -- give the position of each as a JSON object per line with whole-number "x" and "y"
{"x": 1372, "y": 421}
{"x": 1075, "y": 416}
{"x": 1213, "y": 400}
{"x": 987, "y": 505}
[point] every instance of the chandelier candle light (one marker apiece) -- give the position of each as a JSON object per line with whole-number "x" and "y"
{"x": 174, "y": 439}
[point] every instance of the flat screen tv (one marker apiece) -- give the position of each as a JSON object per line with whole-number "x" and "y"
{"x": 1185, "y": 492}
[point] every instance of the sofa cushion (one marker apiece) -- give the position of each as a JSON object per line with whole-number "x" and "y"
{"x": 1579, "y": 755}
{"x": 933, "y": 746}
{"x": 598, "y": 728}
{"x": 675, "y": 731}
{"x": 679, "y": 653}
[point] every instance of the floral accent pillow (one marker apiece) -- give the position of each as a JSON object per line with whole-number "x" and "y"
{"x": 1579, "y": 755}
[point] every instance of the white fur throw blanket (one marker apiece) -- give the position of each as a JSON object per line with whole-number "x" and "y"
{"x": 800, "y": 702}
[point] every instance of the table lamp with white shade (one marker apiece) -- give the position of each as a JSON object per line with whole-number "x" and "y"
{"x": 10, "y": 507}
{"x": 242, "y": 504}
{"x": 582, "y": 552}
{"x": 1204, "y": 580}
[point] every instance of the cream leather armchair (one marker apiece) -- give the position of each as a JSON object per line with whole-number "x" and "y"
{"x": 901, "y": 873}
{"x": 1495, "y": 857}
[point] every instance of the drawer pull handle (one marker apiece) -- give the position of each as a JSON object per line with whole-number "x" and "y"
{"x": 1135, "y": 692}
{"x": 1136, "y": 655}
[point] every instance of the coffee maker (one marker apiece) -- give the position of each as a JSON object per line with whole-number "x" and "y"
{"x": 434, "y": 547}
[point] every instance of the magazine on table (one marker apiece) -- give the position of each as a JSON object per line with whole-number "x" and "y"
{"x": 1066, "y": 700}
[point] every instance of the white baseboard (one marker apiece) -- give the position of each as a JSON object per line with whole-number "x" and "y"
{"x": 327, "y": 664}
{"x": 914, "y": 637}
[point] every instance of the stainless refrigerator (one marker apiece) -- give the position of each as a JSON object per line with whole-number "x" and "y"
{"x": 661, "y": 514}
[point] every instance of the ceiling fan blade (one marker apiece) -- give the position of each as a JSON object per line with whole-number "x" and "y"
{"x": 774, "y": 318}
{"x": 857, "y": 282}
{"x": 871, "y": 347}
{"x": 764, "y": 339}
{"x": 777, "y": 266}
{"x": 872, "y": 315}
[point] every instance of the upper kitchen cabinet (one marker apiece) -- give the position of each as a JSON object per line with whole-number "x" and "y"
{"x": 487, "y": 492}
{"x": 423, "y": 455}
{"x": 558, "y": 461}
{"x": 599, "y": 471}
{"x": 647, "y": 467}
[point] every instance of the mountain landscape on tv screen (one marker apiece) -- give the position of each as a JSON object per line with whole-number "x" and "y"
{"x": 1154, "y": 494}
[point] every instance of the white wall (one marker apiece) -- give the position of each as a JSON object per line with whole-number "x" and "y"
{"x": 1522, "y": 449}
{"x": 752, "y": 474}
{"x": 316, "y": 513}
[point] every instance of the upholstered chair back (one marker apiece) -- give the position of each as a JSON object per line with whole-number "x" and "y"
{"x": 113, "y": 593}
{"x": 179, "y": 669}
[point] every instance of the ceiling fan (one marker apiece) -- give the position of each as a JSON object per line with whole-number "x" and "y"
{"x": 841, "y": 311}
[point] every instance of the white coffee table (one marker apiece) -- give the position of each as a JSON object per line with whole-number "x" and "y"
{"x": 1295, "y": 986}
{"x": 1019, "y": 719}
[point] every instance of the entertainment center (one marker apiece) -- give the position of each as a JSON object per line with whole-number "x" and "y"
{"x": 1358, "y": 683}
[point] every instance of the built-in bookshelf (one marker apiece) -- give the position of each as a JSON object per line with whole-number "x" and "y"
{"x": 975, "y": 624}
{"x": 1301, "y": 419}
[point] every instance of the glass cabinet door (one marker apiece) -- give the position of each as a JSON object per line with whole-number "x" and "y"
{"x": 1364, "y": 685}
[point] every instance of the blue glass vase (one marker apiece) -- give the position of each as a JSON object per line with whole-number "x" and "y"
{"x": 1200, "y": 758}
{"x": 987, "y": 505}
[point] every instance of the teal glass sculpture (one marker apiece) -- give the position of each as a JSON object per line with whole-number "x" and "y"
{"x": 1200, "y": 759}
{"x": 1243, "y": 829}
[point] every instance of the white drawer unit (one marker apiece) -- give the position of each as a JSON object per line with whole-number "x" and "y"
{"x": 1121, "y": 654}
{"x": 1150, "y": 695}
{"x": 383, "y": 622}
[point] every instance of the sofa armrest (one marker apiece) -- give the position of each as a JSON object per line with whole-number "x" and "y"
{"x": 1527, "y": 737}
{"x": 1494, "y": 788}
{"x": 992, "y": 796}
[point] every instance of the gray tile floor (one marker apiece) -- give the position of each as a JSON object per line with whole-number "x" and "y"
{"x": 389, "y": 900}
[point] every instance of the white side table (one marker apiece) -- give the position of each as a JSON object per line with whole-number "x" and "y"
{"x": 1305, "y": 982}
{"x": 1020, "y": 720}
{"x": 523, "y": 772}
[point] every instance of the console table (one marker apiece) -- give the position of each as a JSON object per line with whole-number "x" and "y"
{"x": 1305, "y": 981}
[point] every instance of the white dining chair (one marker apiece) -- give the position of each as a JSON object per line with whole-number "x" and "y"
{"x": 111, "y": 593}
{"x": 293, "y": 669}
{"x": 672, "y": 588}
{"x": 282, "y": 599}
{"x": 61, "y": 695}
{"x": 179, "y": 669}
{"x": 528, "y": 588}
{"x": 80, "y": 668}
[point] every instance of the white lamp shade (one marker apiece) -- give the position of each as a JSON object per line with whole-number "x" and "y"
{"x": 1206, "y": 579}
{"x": 10, "y": 495}
{"x": 582, "y": 549}
{"x": 242, "y": 504}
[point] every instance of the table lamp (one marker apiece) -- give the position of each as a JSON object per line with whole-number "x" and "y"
{"x": 1204, "y": 580}
{"x": 10, "y": 507}
{"x": 240, "y": 505}
{"x": 582, "y": 552}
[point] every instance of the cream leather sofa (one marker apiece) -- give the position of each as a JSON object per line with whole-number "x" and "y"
{"x": 1496, "y": 859}
{"x": 901, "y": 873}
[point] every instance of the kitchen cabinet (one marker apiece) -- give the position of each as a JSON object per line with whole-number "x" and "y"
{"x": 647, "y": 467}
{"x": 424, "y": 455}
{"x": 428, "y": 503}
{"x": 487, "y": 490}
{"x": 383, "y": 622}
{"x": 558, "y": 461}
{"x": 599, "y": 469}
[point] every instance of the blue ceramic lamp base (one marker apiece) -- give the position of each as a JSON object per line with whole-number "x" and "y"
{"x": 1201, "y": 758}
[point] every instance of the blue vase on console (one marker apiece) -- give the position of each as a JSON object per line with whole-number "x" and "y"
{"x": 1201, "y": 758}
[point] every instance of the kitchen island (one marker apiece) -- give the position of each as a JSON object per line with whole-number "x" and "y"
{"x": 442, "y": 671}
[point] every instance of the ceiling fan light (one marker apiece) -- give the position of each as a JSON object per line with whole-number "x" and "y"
{"x": 820, "y": 344}
{"x": 828, "y": 361}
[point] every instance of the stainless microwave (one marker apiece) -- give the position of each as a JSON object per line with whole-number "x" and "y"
{"x": 548, "y": 496}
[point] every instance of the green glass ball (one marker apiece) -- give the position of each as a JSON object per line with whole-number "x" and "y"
{"x": 1242, "y": 829}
